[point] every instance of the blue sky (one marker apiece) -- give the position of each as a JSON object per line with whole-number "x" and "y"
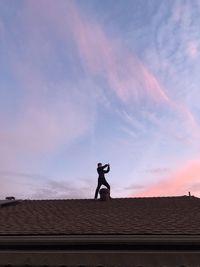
{"x": 90, "y": 81}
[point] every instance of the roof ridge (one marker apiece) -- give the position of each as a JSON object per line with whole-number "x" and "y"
{"x": 118, "y": 198}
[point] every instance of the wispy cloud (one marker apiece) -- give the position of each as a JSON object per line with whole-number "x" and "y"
{"x": 176, "y": 40}
{"x": 29, "y": 185}
{"x": 63, "y": 189}
{"x": 134, "y": 187}
{"x": 158, "y": 171}
{"x": 102, "y": 55}
{"x": 127, "y": 76}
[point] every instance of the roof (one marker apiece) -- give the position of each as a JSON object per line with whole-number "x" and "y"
{"x": 135, "y": 216}
{"x": 5, "y": 202}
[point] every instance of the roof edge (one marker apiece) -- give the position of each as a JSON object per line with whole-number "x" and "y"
{"x": 4, "y": 203}
{"x": 100, "y": 240}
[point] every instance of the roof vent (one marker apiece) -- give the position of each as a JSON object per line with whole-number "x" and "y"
{"x": 10, "y": 198}
{"x": 104, "y": 194}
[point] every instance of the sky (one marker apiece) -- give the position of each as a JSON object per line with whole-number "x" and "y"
{"x": 88, "y": 81}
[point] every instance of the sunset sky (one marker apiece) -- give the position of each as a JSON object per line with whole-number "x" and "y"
{"x": 111, "y": 81}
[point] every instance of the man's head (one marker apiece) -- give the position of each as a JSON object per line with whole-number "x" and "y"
{"x": 99, "y": 164}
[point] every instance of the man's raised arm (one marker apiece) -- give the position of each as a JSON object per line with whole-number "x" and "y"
{"x": 104, "y": 166}
{"x": 107, "y": 169}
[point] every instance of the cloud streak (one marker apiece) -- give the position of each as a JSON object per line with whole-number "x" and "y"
{"x": 130, "y": 79}
{"x": 35, "y": 186}
{"x": 127, "y": 76}
{"x": 103, "y": 55}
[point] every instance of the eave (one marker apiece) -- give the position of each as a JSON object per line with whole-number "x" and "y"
{"x": 101, "y": 241}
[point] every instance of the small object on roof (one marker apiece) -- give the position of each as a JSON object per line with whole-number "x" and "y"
{"x": 104, "y": 194}
{"x": 10, "y": 198}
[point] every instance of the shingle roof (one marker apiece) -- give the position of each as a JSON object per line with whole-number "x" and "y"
{"x": 163, "y": 215}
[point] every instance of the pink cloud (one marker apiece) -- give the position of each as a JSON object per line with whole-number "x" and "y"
{"x": 179, "y": 183}
{"x": 188, "y": 118}
{"x": 127, "y": 75}
{"x": 100, "y": 54}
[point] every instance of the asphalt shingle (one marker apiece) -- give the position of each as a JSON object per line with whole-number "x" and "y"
{"x": 163, "y": 215}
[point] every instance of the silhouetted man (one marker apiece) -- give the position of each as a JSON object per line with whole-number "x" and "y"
{"x": 101, "y": 179}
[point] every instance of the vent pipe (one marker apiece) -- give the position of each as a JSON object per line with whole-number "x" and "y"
{"x": 10, "y": 198}
{"x": 104, "y": 194}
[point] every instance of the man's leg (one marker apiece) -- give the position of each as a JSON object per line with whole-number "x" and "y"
{"x": 97, "y": 190}
{"x": 106, "y": 184}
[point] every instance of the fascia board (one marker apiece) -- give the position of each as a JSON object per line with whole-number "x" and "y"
{"x": 100, "y": 239}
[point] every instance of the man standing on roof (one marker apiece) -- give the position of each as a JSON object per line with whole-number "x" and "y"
{"x": 101, "y": 178}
